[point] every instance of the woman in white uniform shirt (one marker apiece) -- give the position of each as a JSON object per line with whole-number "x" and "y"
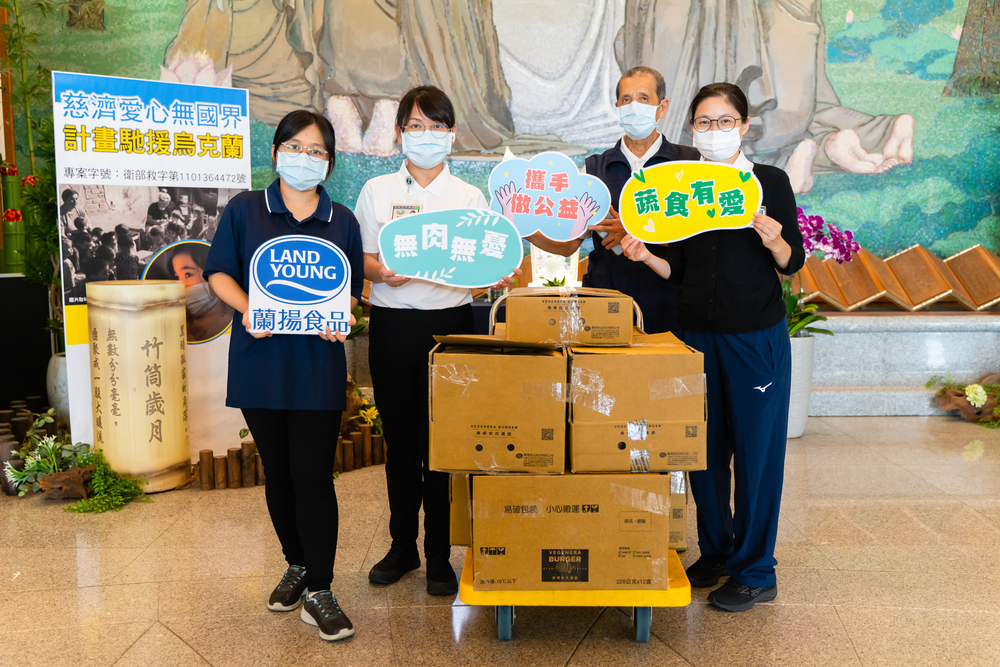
{"x": 405, "y": 316}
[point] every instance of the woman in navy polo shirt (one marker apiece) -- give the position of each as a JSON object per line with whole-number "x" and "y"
{"x": 291, "y": 388}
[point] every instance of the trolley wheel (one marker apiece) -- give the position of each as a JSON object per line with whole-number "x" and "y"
{"x": 505, "y": 619}
{"x": 642, "y": 618}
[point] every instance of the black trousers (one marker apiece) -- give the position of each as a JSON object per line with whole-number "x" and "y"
{"x": 401, "y": 339}
{"x": 297, "y": 448}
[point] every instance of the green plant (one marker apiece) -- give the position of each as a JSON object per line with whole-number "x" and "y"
{"x": 111, "y": 491}
{"x": 40, "y": 203}
{"x": 49, "y": 456}
{"x": 36, "y": 433}
{"x": 948, "y": 382}
{"x": 360, "y": 323}
{"x": 244, "y": 432}
{"x": 31, "y": 81}
{"x": 368, "y": 413}
{"x": 555, "y": 282}
{"x": 800, "y": 315}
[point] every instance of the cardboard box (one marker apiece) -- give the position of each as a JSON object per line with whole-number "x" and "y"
{"x": 569, "y": 316}
{"x": 570, "y": 532}
{"x": 678, "y": 510}
{"x": 497, "y": 406}
{"x": 637, "y": 409}
{"x": 460, "y": 498}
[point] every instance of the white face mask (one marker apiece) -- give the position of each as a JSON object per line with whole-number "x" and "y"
{"x": 200, "y": 299}
{"x": 427, "y": 151}
{"x": 716, "y": 145}
{"x": 637, "y": 119}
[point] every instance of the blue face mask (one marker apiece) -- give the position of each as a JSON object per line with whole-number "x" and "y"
{"x": 637, "y": 119}
{"x": 301, "y": 172}
{"x": 427, "y": 151}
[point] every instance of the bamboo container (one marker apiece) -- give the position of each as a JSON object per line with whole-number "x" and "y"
{"x": 221, "y": 472}
{"x": 139, "y": 378}
{"x": 338, "y": 459}
{"x": 6, "y": 416}
{"x": 35, "y": 403}
{"x": 5, "y": 427}
{"x": 18, "y": 406}
{"x": 207, "y": 469}
{"x": 348, "y": 448}
{"x": 259, "y": 465}
{"x": 249, "y": 463}
{"x": 366, "y": 443}
{"x": 378, "y": 443}
{"x": 235, "y": 476}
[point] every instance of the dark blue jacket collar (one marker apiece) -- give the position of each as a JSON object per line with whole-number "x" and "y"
{"x": 275, "y": 204}
{"x": 666, "y": 152}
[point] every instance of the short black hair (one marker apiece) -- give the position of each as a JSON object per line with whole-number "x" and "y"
{"x": 155, "y": 231}
{"x": 67, "y": 193}
{"x": 296, "y": 121}
{"x": 79, "y": 223}
{"x": 108, "y": 237}
{"x": 642, "y": 70}
{"x": 106, "y": 253}
{"x": 431, "y": 101}
{"x": 728, "y": 91}
{"x": 175, "y": 228}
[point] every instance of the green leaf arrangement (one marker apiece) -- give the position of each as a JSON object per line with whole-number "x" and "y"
{"x": 111, "y": 491}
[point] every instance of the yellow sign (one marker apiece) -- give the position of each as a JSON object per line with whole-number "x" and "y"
{"x": 678, "y": 200}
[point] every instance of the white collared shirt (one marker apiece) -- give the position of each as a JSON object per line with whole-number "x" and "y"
{"x": 636, "y": 163}
{"x": 741, "y": 163}
{"x": 374, "y": 210}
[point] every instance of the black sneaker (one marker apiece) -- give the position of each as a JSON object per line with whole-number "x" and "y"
{"x": 290, "y": 590}
{"x": 321, "y": 609}
{"x": 396, "y": 563}
{"x": 441, "y": 577}
{"x": 705, "y": 573}
{"x": 734, "y": 596}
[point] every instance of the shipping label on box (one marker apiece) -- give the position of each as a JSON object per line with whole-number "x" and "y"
{"x": 592, "y": 532}
{"x": 579, "y": 316}
{"x": 497, "y": 410}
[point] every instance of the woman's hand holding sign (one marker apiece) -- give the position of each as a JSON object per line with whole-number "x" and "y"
{"x": 770, "y": 235}
{"x": 247, "y": 324}
{"x": 338, "y": 337}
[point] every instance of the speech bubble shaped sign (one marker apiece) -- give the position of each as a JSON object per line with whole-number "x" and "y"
{"x": 548, "y": 194}
{"x": 462, "y": 247}
{"x": 677, "y": 200}
{"x": 299, "y": 285}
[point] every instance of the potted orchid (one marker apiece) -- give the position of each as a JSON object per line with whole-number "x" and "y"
{"x": 825, "y": 240}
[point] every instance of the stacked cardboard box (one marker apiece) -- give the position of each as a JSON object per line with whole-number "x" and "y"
{"x": 571, "y": 389}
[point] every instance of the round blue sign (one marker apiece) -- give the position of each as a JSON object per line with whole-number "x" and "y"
{"x": 299, "y": 270}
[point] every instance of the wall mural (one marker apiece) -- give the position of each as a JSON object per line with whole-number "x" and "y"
{"x": 860, "y": 101}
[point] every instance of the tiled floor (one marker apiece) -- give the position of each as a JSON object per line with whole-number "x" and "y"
{"x": 888, "y": 550}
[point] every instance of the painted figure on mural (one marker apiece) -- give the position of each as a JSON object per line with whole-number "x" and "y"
{"x": 797, "y": 121}
{"x": 295, "y": 53}
{"x": 292, "y": 54}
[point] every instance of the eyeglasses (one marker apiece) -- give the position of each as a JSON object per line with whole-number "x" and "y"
{"x": 312, "y": 151}
{"x": 725, "y": 123}
{"x": 416, "y": 129}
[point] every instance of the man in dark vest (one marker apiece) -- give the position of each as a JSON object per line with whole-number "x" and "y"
{"x": 641, "y": 103}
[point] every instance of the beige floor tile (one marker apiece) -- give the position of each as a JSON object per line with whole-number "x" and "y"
{"x": 179, "y": 564}
{"x": 236, "y": 641}
{"x": 767, "y": 635}
{"x": 83, "y": 646}
{"x": 162, "y": 648}
{"x": 611, "y": 641}
{"x": 920, "y": 590}
{"x": 96, "y": 605}
{"x": 876, "y": 480}
{"x": 462, "y": 635}
{"x": 922, "y": 637}
{"x": 38, "y": 569}
{"x": 979, "y": 479}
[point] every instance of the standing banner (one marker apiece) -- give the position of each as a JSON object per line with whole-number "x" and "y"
{"x": 144, "y": 170}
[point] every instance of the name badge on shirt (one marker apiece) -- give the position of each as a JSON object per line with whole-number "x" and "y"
{"x": 401, "y": 209}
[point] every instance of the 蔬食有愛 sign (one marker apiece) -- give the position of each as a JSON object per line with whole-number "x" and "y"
{"x": 548, "y": 194}
{"x": 299, "y": 285}
{"x": 677, "y": 200}
{"x": 462, "y": 247}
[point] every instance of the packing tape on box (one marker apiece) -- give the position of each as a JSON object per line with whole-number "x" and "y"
{"x": 459, "y": 374}
{"x": 639, "y": 460}
{"x": 675, "y": 387}
{"x": 641, "y": 499}
{"x": 544, "y": 391}
{"x": 588, "y": 391}
{"x": 678, "y": 484}
{"x": 637, "y": 430}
